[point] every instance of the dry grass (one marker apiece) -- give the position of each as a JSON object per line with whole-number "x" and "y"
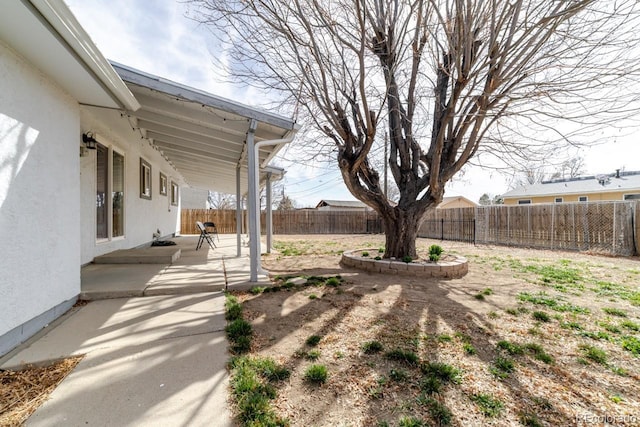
{"x": 553, "y": 381}
{"x": 21, "y": 392}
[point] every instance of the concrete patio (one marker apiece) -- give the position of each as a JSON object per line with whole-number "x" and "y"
{"x": 156, "y": 360}
{"x": 204, "y": 270}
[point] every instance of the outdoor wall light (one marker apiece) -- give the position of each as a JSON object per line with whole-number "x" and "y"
{"x": 89, "y": 140}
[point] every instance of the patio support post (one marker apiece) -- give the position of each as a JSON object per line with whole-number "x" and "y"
{"x": 269, "y": 218}
{"x": 252, "y": 199}
{"x": 238, "y": 214}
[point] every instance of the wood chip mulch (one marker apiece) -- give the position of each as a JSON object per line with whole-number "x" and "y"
{"x": 21, "y": 392}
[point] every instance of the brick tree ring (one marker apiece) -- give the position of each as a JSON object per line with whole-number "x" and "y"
{"x": 453, "y": 267}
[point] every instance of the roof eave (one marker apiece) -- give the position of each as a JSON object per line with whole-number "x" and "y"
{"x": 61, "y": 19}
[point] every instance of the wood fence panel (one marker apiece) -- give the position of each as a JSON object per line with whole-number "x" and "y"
{"x": 609, "y": 227}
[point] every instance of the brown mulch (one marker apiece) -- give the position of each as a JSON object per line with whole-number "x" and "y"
{"x": 23, "y": 391}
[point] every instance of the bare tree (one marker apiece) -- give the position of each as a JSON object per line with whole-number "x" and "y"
{"x": 446, "y": 78}
{"x": 221, "y": 200}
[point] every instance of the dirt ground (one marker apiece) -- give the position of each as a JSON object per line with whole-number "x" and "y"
{"x": 590, "y": 313}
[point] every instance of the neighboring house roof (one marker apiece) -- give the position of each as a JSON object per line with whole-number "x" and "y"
{"x": 341, "y": 204}
{"x": 627, "y": 181}
{"x": 46, "y": 34}
{"x": 452, "y": 199}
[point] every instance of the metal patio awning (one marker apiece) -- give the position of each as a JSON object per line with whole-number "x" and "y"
{"x": 202, "y": 135}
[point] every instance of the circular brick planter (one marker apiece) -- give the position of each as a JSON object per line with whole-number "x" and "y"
{"x": 452, "y": 268}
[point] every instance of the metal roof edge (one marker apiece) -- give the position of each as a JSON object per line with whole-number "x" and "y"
{"x": 60, "y": 18}
{"x": 134, "y": 76}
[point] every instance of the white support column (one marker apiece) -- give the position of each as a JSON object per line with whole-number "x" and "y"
{"x": 238, "y": 214}
{"x": 269, "y": 218}
{"x": 253, "y": 200}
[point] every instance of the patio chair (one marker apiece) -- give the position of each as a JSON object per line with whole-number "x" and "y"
{"x": 204, "y": 235}
{"x": 212, "y": 229}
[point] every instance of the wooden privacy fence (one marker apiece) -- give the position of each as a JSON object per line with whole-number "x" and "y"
{"x": 287, "y": 222}
{"x": 607, "y": 227}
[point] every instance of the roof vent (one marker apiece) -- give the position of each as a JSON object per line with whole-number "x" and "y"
{"x": 617, "y": 173}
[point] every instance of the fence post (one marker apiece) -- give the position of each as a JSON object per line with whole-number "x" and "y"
{"x": 441, "y": 228}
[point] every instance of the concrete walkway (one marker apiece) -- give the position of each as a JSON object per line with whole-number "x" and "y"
{"x": 155, "y": 360}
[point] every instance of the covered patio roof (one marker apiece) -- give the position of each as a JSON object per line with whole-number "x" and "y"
{"x": 202, "y": 135}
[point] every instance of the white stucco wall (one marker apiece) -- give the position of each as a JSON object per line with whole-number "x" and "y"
{"x": 142, "y": 217}
{"x": 39, "y": 193}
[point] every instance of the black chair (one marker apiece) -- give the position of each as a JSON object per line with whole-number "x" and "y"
{"x": 204, "y": 235}
{"x": 212, "y": 229}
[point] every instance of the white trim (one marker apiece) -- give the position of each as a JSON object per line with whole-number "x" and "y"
{"x": 62, "y": 20}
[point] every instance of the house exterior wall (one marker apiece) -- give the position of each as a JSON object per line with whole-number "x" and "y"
{"x": 194, "y": 198}
{"x": 142, "y": 217}
{"x": 39, "y": 200}
{"x": 569, "y": 198}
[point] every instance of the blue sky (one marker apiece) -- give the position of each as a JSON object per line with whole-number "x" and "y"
{"x": 155, "y": 36}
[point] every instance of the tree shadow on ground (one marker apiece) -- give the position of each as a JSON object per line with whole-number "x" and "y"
{"x": 404, "y": 313}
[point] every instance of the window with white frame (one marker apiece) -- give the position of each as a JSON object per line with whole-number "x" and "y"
{"x": 145, "y": 179}
{"x": 559, "y": 200}
{"x": 524, "y": 202}
{"x": 163, "y": 184}
{"x": 583, "y": 199}
{"x": 174, "y": 193}
{"x": 632, "y": 197}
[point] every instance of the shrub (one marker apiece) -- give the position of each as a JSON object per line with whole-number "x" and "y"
{"x": 365, "y": 254}
{"x": 238, "y": 328}
{"x": 256, "y": 290}
{"x": 378, "y": 258}
{"x": 435, "y": 250}
{"x": 440, "y": 412}
{"x": 313, "y": 355}
{"x": 442, "y": 371}
{"x": 316, "y": 374}
{"x": 372, "y": 347}
{"x": 407, "y": 259}
{"x": 430, "y": 385}
{"x": 313, "y": 340}
{"x": 333, "y": 282}
{"x": 313, "y": 296}
{"x": 405, "y": 356}
{"x": 469, "y": 349}
{"x": 381, "y": 250}
{"x": 233, "y": 309}
{"x": 541, "y": 316}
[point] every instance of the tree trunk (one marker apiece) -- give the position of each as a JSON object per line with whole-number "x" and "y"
{"x": 401, "y": 231}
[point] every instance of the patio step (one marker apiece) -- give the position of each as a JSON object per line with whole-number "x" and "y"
{"x": 150, "y": 255}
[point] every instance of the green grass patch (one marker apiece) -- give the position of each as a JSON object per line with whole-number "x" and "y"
{"x": 487, "y": 404}
{"x": 554, "y": 303}
{"x": 316, "y": 374}
{"x": 571, "y": 325}
{"x": 594, "y": 354}
{"x": 313, "y": 340}
{"x": 614, "y": 312}
{"x": 538, "y": 353}
{"x": 439, "y": 412}
{"x": 313, "y": 296}
{"x": 313, "y": 355}
{"x": 610, "y": 327}
{"x": 510, "y": 347}
{"x": 442, "y": 371}
{"x": 232, "y": 307}
{"x": 398, "y": 375}
{"x": 530, "y": 420}
{"x": 371, "y": 347}
{"x": 540, "y": 316}
{"x": 257, "y": 290}
{"x": 631, "y": 344}
{"x": 444, "y": 338}
{"x": 630, "y": 325}
{"x": 600, "y": 335}
{"x": 469, "y": 349}
{"x": 502, "y": 367}
{"x": 410, "y": 422}
{"x": 479, "y": 297}
{"x": 405, "y": 356}
{"x": 334, "y": 282}
{"x": 252, "y": 385}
